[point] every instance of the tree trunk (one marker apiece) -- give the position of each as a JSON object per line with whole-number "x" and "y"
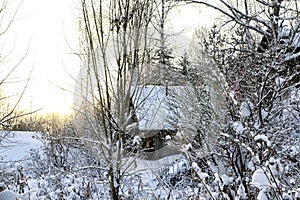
{"x": 114, "y": 189}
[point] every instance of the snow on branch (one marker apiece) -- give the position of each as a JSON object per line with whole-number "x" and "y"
{"x": 291, "y": 57}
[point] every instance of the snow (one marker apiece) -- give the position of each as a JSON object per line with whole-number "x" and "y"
{"x": 294, "y": 151}
{"x": 262, "y": 196}
{"x": 232, "y": 95}
{"x": 297, "y": 193}
{"x": 136, "y": 140}
{"x": 8, "y": 195}
{"x": 238, "y": 127}
{"x": 256, "y": 125}
{"x": 260, "y": 179}
{"x": 264, "y": 114}
{"x": 293, "y": 181}
{"x": 168, "y": 137}
{"x": 272, "y": 160}
{"x": 16, "y": 145}
{"x": 217, "y": 180}
{"x": 245, "y": 109}
{"x": 143, "y": 165}
{"x": 225, "y": 135}
{"x": 275, "y": 166}
{"x": 226, "y": 179}
{"x": 279, "y": 82}
{"x": 241, "y": 192}
{"x": 178, "y": 166}
{"x": 202, "y": 175}
{"x": 251, "y": 165}
{"x": 132, "y": 125}
{"x": 156, "y": 106}
{"x": 186, "y": 147}
{"x": 152, "y": 107}
{"x": 285, "y": 34}
{"x": 286, "y": 196}
{"x": 32, "y": 184}
{"x": 264, "y": 138}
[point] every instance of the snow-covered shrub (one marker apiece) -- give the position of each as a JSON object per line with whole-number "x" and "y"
{"x": 177, "y": 173}
{"x": 258, "y": 145}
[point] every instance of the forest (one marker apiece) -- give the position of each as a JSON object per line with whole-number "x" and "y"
{"x": 159, "y": 115}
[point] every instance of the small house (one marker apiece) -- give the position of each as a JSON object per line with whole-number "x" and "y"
{"x": 156, "y": 112}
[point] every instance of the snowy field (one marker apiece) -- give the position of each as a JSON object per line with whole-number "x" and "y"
{"x": 16, "y": 146}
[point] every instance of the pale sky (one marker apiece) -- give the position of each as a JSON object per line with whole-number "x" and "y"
{"x": 50, "y": 27}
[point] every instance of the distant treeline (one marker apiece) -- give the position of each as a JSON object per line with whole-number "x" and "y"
{"x": 52, "y": 123}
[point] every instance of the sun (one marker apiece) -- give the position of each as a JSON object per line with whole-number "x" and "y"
{"x": 59, "y": 106}
{"x": 53, "y": 101}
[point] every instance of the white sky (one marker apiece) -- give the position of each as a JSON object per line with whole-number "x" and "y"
{"x": 50, "y": 28}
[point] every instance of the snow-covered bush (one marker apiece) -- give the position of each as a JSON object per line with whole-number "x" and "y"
{"x": 177, "y": 173}
{"x": 258, "y": 144}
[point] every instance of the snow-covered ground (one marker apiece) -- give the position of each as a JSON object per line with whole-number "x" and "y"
{"x": 16, "y": 148}
{"x": 8, "y": 195}
{"x": 144, "y": 179}
{"x": 16, "y": 145}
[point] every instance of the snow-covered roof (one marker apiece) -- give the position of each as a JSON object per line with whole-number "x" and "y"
{"x": 154, "y": 107}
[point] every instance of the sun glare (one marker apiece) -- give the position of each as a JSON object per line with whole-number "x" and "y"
{"x": 46, "y": 31}
{"x": 58, "y": 107}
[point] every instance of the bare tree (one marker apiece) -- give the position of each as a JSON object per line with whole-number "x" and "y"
{"x": 8, "y": 114}
{"x": 114, "y": 47}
